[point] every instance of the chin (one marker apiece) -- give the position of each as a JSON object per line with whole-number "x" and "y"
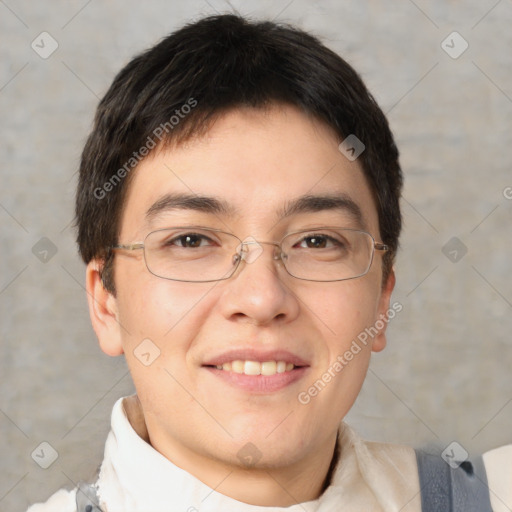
{"x": 260, "y": 448}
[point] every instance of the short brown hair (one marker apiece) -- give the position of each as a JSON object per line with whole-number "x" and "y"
{"x": 208, "y": 67}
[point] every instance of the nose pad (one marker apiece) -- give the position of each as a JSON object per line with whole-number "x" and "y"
{"x": 249, "y": 250}
{"x": 279, "y": 254}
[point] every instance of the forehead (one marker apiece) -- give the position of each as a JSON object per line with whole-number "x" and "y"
{"x": 256, "y": 164}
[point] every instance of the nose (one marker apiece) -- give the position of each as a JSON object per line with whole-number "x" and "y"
{"x": 257, "y": 292}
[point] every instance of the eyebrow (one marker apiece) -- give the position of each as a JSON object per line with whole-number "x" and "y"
{"x": 194, "y": 202}
{"x": 312, "y": 203}
{"x": 216, "y": 206}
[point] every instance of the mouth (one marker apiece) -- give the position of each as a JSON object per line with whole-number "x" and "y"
{"x": 247, "y": 367}
{"x": 258, "y": 372}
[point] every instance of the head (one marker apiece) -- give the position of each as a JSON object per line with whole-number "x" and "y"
{"x": 226, "y": 124}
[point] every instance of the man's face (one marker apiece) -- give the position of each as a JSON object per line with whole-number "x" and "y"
{"x": 257, "y": 163}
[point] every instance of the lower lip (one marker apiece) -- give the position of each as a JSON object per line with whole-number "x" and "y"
{"x": 260, "y": 383}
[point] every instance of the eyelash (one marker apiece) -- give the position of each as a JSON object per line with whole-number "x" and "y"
{"x": 171, "y": 241}
{"x": 183, "y": 236}
{"x": 320, "y": 235}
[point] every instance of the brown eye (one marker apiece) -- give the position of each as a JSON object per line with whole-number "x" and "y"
{"x": 189, "y": 240}
{"x": 318, "y": 242}
{"x": 315, "y": 242}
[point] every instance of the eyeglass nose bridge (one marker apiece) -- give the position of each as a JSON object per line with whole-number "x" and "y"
{"x": 250, "y": 249}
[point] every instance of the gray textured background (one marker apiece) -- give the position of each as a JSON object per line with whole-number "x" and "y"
{"x": 446, "y": 372}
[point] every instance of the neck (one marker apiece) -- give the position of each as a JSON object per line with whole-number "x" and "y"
{"x": 277, "y": 485}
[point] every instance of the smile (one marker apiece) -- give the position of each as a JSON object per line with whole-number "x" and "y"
{"x": 257, "y": 370}
{"x": 266, "y": 368}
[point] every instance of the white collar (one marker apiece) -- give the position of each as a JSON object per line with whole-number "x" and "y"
{"x": 134, "y": 477}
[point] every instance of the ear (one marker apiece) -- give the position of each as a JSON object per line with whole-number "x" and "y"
{"x": 383, "y": 316}
{"x": 103, "y": 311}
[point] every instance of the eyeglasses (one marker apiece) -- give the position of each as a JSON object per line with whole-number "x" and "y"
{"x": 198, "y": 254}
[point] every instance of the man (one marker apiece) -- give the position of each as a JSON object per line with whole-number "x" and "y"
{"x": 238, "y": 212}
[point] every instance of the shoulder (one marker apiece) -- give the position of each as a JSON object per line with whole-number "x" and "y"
{"x": 498, "y": 466}
{"x": 61, "y": 501}
{"x": 376, "y": 456}
{"x": 482, "y": 483}
{"x": 389, "y": 472}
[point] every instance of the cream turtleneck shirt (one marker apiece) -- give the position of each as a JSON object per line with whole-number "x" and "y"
{"x": 369, "y": 477}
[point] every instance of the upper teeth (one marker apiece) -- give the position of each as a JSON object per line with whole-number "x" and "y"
{"x": 256, "y": 368}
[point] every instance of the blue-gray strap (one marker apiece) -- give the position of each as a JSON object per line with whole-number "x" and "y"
{"x": 447, "y": 489}
{"x": 87, "y": 498}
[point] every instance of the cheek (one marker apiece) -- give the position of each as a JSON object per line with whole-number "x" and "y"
{"x": 161, "y": 320}
{"x": 341, "y": 312}
{"x": 346, "y": 309}
{"x": 155, "y": 308}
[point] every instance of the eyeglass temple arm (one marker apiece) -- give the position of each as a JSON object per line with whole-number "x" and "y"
{"x": 128, "y": 247}
{"x": 381, "y": 247}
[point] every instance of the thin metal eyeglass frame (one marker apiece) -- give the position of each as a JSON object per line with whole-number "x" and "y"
{"x": 376, "y": 246}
